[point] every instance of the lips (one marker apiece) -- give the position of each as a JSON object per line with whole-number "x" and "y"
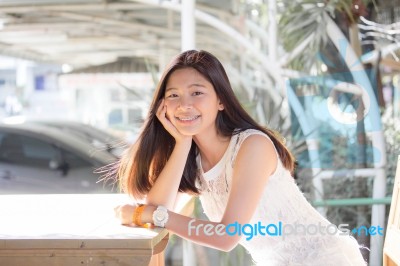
{"x": 187, "y": 118}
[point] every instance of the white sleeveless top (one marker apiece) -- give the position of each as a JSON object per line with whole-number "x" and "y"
{"x": 282, "y": 201}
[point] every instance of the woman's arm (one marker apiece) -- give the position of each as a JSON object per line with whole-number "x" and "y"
{"x": 255, "y": 162}
{"x": 165, "y": 189}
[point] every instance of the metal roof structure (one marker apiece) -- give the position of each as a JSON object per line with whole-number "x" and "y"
{"x": 84, "y": 33}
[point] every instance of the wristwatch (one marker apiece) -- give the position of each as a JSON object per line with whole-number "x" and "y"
{"x": 160, "y": 216}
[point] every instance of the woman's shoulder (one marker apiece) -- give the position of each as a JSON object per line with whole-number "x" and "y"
{"x": 254, "y": 151}
{"x": 255, "y": 139}
{"x": 252, "y": 139}
{"x": 243, "y": 134}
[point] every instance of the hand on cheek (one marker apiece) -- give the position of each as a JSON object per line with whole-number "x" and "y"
{"x": 166, "y": 112}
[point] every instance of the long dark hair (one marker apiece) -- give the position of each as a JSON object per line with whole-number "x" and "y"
{"x": 143, "y": 162}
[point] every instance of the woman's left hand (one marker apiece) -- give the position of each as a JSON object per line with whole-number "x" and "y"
{"x": 125, "y": 213}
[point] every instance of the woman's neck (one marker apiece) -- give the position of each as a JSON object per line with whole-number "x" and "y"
{"x": 212, "y": 148}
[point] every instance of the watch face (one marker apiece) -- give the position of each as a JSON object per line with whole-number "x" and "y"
{"x": 160, "y": 216}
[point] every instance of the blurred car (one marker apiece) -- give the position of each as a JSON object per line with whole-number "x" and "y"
{"x": 97, "y": 137}
{"x": 39, "y": 159}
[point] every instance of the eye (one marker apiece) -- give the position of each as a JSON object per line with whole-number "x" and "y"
{"x": 197, "y": 93}
{"x": 172, "y": 95}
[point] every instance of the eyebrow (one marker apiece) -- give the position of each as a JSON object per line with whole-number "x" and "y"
{"x": 190, "y": 86}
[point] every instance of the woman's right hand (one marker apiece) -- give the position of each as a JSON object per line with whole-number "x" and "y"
{"x": 124, "y": 213}
{"x": 162, "y": 117}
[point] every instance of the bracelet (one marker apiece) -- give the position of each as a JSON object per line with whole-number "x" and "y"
{"x": 137, "y": 215}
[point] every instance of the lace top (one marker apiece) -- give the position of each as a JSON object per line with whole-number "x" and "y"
{"x": 281, "y": 201}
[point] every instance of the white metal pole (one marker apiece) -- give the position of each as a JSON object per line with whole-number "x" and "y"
{"x": 188, "y": 25}
{"x": 308, "y": 129}
{"x": 188, "y": 42}
{"x": 272, "y": 32}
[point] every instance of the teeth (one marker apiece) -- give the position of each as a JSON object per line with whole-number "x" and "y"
{"x": 188, "y": 118}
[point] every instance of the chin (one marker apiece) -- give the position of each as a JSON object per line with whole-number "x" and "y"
{"x": 188, "y": 132}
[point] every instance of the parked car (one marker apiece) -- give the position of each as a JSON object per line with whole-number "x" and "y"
{"x": 98, "y": 138}
{"x": 41, "y": 159}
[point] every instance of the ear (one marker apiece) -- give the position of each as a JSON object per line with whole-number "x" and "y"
{"x": 220, "y": 106}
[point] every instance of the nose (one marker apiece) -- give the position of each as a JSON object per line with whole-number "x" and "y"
{"x": 185, "y": 102}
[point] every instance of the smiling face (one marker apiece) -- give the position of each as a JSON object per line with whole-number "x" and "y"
{"x": 192, "y": 104}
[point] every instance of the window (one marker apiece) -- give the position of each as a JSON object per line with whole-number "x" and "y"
{"x": 74, "y": 161}
{"x": 38, "y": 151}
{"x": 28, "y": 151}
{"x": 11, "y": 150}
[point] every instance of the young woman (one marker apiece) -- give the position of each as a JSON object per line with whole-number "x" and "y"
{"x": 198, "y": 140}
